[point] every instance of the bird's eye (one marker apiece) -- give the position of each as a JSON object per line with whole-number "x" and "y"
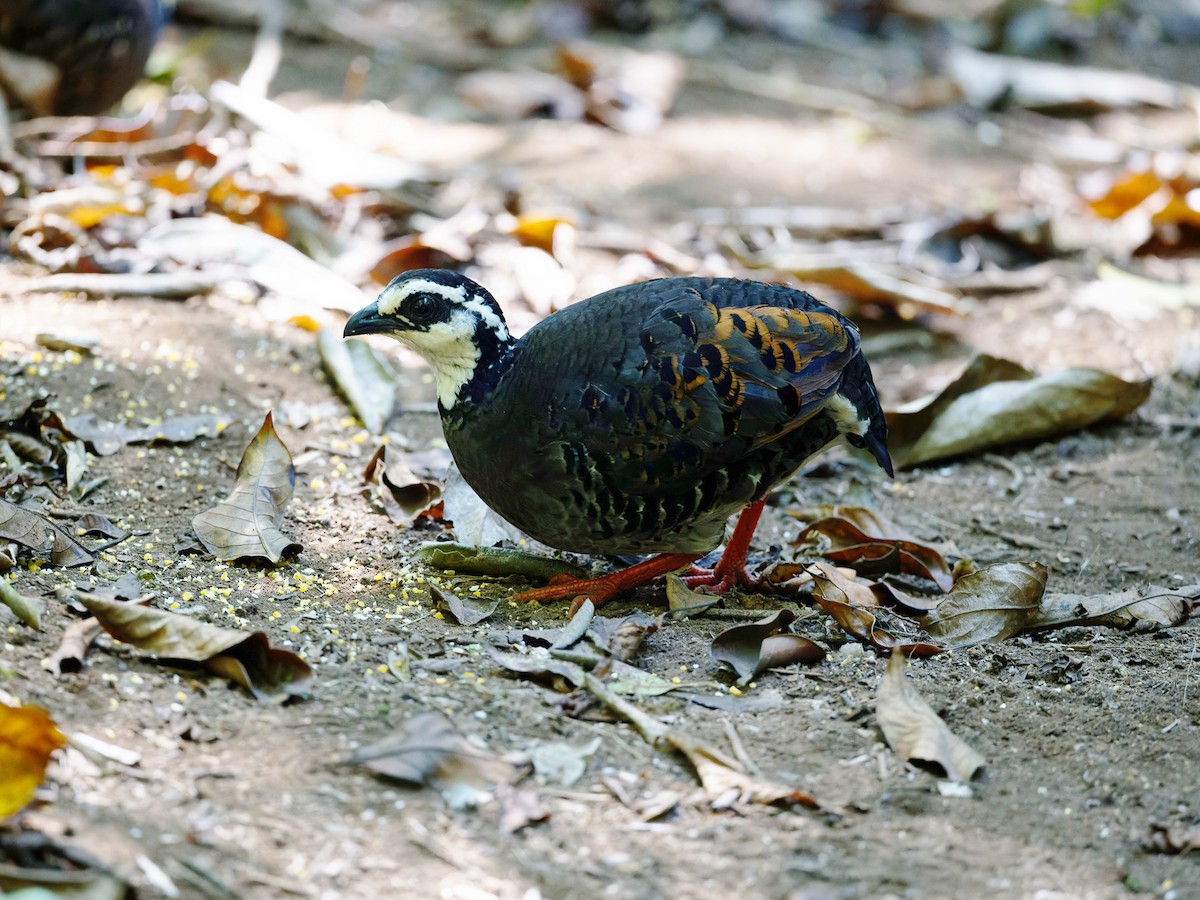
{"x": 423, "y": 309}
{"x": 856, "y": 440}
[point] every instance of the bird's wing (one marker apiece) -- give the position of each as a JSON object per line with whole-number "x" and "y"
{"x": 712, "y": 371}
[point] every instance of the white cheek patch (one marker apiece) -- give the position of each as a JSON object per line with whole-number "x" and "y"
{"x": 450, "y": 350}
{"x": 845, "y": 415}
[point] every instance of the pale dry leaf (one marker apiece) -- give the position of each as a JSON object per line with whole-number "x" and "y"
{"x": 916, "y": 732}
{"x": 1146, "y": 605}
{"x": 362, "y": 374}
{"x": 995, "y": 402}
{"x": 246, "y": 523}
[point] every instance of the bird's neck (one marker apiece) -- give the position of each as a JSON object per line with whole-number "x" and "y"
{"x": 465, "y": 382}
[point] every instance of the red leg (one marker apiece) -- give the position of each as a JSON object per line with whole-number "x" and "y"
{"x": 730, "y": 570}
{"x": 601, "y": 590}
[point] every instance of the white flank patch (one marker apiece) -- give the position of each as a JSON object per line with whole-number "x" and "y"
{"x": 481, "y": 308}
{"x": 845, "y": 415}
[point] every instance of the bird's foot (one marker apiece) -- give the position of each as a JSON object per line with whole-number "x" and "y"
{"x": 721, "y": 578}
{"x": 601, "y": 590}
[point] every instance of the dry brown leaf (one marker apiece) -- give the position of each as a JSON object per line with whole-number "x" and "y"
{"x": 428, "y": 750}
{"x": 246, "y": 523}
{"x": 835, "y": 592}
{"x": 72, "y": 649}
{"x": 683, "y": 602}
{"x": 991, "y": 604}
{"x": 405, "y": 493}
{"x": 621, "y": 638}
{"x": 850, "y": 545}
{"x": 519, "y": 808}
{"x": 721, "y": 775}
{"x": 105, "y": 438}
{"x": 916, "y": 732}
{"x": 996, "y": 402}
{"x": 466, "y": 610}
{"x": 242, "y": 656}
{"x": 871, "y": 284}
{"x": 39, "y": 534}
{"x": 753, "y": 648}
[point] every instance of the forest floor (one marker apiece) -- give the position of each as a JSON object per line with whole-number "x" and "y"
{"x": 1090, "y": 733}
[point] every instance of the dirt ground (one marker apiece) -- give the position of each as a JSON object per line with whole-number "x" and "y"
{"x": 1091, "y": 735}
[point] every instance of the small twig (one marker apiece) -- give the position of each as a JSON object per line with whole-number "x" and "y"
{"x": 1018, "y": 477}
{"x": 739, "y": 749}
{"x": 1017, "y": 540}
{"x": 148, "y": 284}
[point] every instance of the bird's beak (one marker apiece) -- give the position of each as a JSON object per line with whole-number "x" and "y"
{"x": 877, "y": 444}
{"x": 368, "y": 321}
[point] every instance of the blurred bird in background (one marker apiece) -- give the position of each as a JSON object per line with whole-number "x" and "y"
{"x": 74, "y": 57}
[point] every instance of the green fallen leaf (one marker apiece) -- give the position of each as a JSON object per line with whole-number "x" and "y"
{"x": 246, "y": 523}
{"x": 494, "y": 561}
{"x": 996, "y": 402}
{"x": 25, "y": 608}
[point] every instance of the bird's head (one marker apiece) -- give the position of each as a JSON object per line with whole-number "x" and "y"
{"x": 858, "y": 414}
{"x": 446, "y": 317}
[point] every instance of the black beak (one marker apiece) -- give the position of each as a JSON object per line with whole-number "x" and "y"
{"x": 876, "y": 439}
{"x": 368, "y": 321}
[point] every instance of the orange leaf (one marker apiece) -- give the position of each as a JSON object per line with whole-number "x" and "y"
{"x": 27, "y": 738}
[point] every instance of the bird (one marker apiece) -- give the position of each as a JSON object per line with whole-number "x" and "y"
{"x": 638, "y": 421}
{"x": 74, "y": 57}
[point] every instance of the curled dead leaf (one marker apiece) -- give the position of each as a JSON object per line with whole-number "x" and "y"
{"x": 835, "y": 592}
{"x": 242, "y": 656}
{"x": 29, "y": 529}
{"x": 754, "y": 648}
{"x": 916, "y": 732}
{"x": 995, "y": 402}
{"x": 405, "y": 493}
{"x": 246, "y": 523}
